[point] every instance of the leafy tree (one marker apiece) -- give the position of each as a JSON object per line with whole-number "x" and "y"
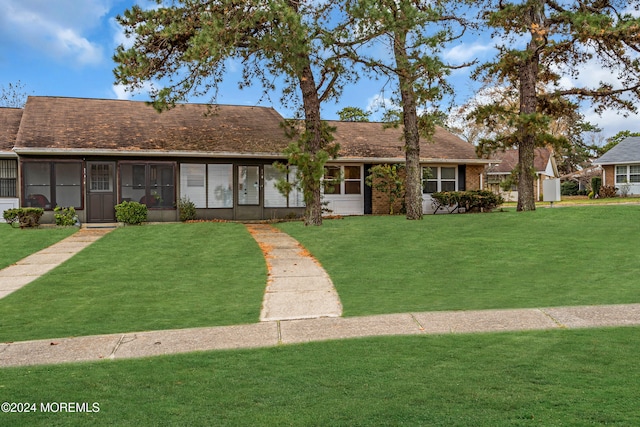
{"x": 354, "y": 114}
{"x": 185, "y": 45}
{"x": 13, "y": 96}
{"x": 560, "y": 39}
{"x": 388, "y": 180}
{"x": 415, "y": 32}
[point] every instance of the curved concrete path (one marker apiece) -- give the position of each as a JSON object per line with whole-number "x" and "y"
{"x": 298, "y": 287}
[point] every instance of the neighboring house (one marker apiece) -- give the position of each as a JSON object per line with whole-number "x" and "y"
{"x": 504, "y": 162}
{"x": 583, "y": 177}
{"x": 621, "y": 165}
{"x": 9, "y": 124}
{"x": 93, "y": 154}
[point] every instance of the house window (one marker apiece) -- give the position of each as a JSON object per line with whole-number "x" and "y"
{"x": 272, "y": 196}
{"x": 627, "y": 174}
{"x": 192, "y": 183}
{"x": 8, "y": 178}
{"x": 342, "y": 180}
{"x": 436, "y": 178}
{"x": 152, "y": 184}
{"x": 51, "y": 184}
{"x": 101, "y": 177}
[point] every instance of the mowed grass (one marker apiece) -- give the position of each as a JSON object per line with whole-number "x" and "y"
{"x": 18, "y": 243}
{"x": 548, "y": 257}
{"x": 543, "y": 378}
{"x": 144, "y": 278}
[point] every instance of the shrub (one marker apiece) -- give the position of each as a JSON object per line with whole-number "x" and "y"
{"x": 607, "y": 191}
{"x": 25, "y": 217}
{"x": 596, "y": 182}
{"x": 472, "y": 201}
{"x": 569, "y": 188}
{"x": 131, "y": 212}
{"x": 187, "y": 209}
{"x": 65, "y": 216}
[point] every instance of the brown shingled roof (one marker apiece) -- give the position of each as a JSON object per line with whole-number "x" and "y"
{"x": 99, "y": 124}
{"x": 9, "y": 125}
{"x": 74, "y": 123}
{"x": 509, "y": 160}
{"x": 372, "y": 140}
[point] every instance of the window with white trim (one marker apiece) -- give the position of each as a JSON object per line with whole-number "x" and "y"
{"x": 439, "y": 178}
{"x": 342, "y": 179}
{"x": 627, "y": 174}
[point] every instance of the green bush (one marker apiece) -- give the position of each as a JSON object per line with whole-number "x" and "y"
{"x": 472, "y": 201}
{"x": 131, "y": 212}
{"x": 24, "y": 217}
{"x": 569, "y": 188}
{"x": 65, "y": 216}
{"x": 596, "y": 182}
{"x": 187, "y": 209}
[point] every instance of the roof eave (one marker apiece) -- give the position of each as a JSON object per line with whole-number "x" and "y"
{"x": 137, "y": 153}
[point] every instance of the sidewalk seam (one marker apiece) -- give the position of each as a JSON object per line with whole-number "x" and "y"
{"x": 553, "y": 319}
{"x": 117, "y": 346}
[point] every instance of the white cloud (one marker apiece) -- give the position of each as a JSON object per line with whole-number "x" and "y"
{"x": 466, "y": 52}
{"x": 121, "y": 91}
{"x": 55, "y": 28}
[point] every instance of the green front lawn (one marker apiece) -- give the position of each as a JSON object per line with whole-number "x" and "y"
{"x": 18, "y": 243}
{"x": 142, "y": 278}
{"x": 544, "y": 378}
{"x": 548, "y": 257}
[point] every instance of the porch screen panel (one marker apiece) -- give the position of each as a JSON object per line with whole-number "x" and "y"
{"x": 8, "y": 178}
{"x": 37, "y": 183}
{"x": 296, "y": 197}
{"x": 220, "y": 186}
{"x": 132, "y": 182}
{"x": 162, "y": 185}
{"x": 272, "y": 197}
{"x": 68, "y": 177}
{"x": 248, "y": 185}
{"x": 192, "y": 183}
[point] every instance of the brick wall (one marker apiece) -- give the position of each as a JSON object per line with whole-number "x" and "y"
{"x": 380, "y": 200}
{"x": 472, "y": 179}
{"x": 609, "y": 175}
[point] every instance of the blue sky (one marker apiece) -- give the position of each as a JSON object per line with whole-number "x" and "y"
{"x": 64, "y": 48}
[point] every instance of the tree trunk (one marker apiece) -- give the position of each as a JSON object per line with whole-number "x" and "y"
{"x": 314, "y": 143}
{"x": 528, "y": 75}
{"x": 413, "y": 183}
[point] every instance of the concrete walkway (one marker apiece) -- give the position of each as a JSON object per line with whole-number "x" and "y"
{"x": 298, "y": 287}
{"x": 30, "y": 268}
{"x": 273, "y": 333}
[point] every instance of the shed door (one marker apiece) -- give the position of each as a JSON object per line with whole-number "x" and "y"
{"x": 101, "y": 185}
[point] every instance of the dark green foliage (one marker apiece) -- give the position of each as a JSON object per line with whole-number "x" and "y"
{"x": 131, "y": 212}
{"x": 354, "y": 114}
{"x": 65, "y": 216}
{"x": 596, "y": 182}
{"x": 187, "y": 209}
{"x": 24, "y": 217}
{"x": 387, "y": 179}
{"x": 472, "y": 201}
{"x": 569, "y": 188}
